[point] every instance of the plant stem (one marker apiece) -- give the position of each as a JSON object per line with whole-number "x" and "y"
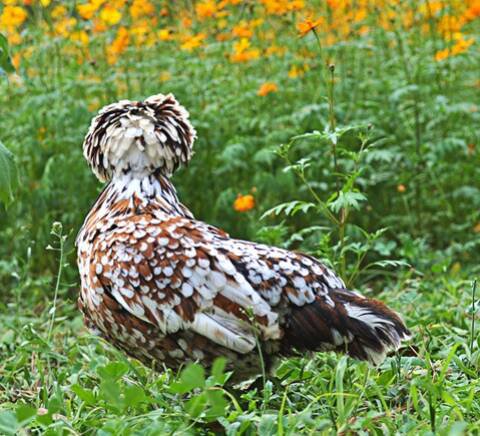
{"x": 331, "y": 118}
{"x": 342, "y": 220}
{"x": 474, "y": 288}
{"x": 57, "y": 283}
{"x": 320, "y": 52}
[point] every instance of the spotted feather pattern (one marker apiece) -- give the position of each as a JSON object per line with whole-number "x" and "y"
{"x": 169, "y": 289}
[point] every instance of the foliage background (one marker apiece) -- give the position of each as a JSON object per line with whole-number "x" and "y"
{"x": 391, "y": 89}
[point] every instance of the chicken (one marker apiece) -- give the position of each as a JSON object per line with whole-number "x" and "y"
{"x": 169, "y": 289}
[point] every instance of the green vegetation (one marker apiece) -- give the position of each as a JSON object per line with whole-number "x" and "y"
{"x": 359, "y": 146}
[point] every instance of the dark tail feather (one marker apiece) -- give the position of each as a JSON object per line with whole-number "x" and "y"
{"x": 364, "y": 328}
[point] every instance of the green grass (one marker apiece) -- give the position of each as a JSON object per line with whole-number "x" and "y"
{"x": 76, "y": 383}
{"x": 397, "y": 216}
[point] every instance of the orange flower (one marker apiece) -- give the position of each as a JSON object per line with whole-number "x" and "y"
{"x": 87, "y": 10}
{"x": 164, "y": 35}
{"x": 110, "y": 16}
{"x": 476, "y": 229}
{"x": 442, "y": 54}
{"x": 206, "y": 9}
{"x": 242, "y": 30}
{"x": 140, "y": 31}
{"x": 141, "y": 8}
{"x": 450, "y": 24}
{"x": 186, "y": 21}
{"x": 307, "y": 25}
{"x": 64, "y": 26}
{"x": 14, "y": 38}
{"x": 192, "y": 42}
{"x": 266, "y": 88}
{"x": 58, "y": 12}
{"x": 12, "y": 17}
{"x": 280, "y": 7}
{"x": 462, "y": 45}
{"x": 473, "y": 11}
{"x": 401, "y": 188}
{"x": 98, "y": 26}
{"x": 118, "y": 46}
{"x": 295, "y": 72}
{"x": 242, "y": 51}
{"x": 244, "y": 203}
{"x": 221, "y": 37}
{"x": 80, "y": 36}
{"x": 16, "y": 58}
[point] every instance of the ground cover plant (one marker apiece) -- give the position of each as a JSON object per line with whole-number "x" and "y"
{"x": 346, "y": 129}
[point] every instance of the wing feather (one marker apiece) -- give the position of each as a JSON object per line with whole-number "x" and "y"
{"x": 169, "y": 274}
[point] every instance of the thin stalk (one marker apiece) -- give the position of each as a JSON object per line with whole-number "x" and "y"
{"x": 255, "y": 330}
{"x": 280, "y": 429}
{"x": 341, "y": 237}
{"x": 332, "y": 123}
{"x": 320, "y": 202}
{"x": 331, "y": 113}
{"x": 320, "y": 52}
{"x": 342, "y": 220}
{"x": 472, "y": 331}
{"x": 356, "y": 270}
{"x": 61, "y": 261}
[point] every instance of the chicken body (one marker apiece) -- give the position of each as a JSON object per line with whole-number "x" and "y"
{"x": 169, "y": 289}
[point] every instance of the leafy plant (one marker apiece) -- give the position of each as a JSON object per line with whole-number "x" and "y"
{"x": 6, "y": 65}
{"x": 8, "y": 175}
{"x": 208, "y": 399}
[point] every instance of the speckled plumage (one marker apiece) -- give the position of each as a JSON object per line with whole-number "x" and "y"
{"x": 169, "y": 289}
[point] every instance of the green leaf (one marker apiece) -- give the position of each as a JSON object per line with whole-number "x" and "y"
{"x": 5, "y": 60}
{"x": 134, "y": 395}
{"x": 310, "y": 135}
{"x": 218, "y": 369}
{"x": 267, "y": 425}
{"x": 393, "y": 263}
{"x": 8, "y": 422}
{"x": 25, "y": 414}
{"x": 8, "y": 175}
{"x": 289, "y": 208}
{"x": 193, "y": 376}
{"x": 298, "y": 167}
{"x": 217, "y": 402}
{"x": 196, "y": 405}
{"x": 84, "y": 394}
{"x": 347, "y": 200}
{"x": 339, "y": 378}
{"x": 45, "y": 419}
{"x": 111, "y": 393}
{"x": 113, "y": 370}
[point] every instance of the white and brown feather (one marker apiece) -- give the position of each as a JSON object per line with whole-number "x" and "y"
{"x": 168, "y": 289}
